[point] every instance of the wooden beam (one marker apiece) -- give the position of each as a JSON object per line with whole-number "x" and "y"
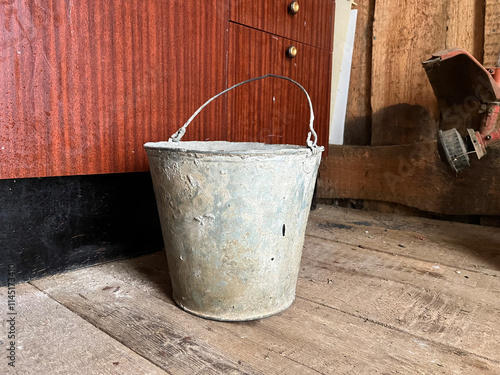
{"x": 413, "y": 175}
{"x": 491, "y": 32}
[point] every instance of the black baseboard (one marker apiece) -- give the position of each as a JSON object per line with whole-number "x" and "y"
{"x": 50, "y": 225}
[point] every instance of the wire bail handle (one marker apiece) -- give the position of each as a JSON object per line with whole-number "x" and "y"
{"x": 311, "y": 143}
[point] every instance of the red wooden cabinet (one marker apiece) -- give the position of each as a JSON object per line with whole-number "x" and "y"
{"x": 85, "y": 83}
{"x": 311, "y": 22}
{"x": 260, "y": 36}
{"x": 273, "y": 110}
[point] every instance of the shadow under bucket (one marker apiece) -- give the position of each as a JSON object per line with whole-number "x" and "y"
{"x": 233, "y": 218}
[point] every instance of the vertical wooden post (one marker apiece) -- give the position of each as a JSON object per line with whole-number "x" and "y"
{"x": 491, "y": 32}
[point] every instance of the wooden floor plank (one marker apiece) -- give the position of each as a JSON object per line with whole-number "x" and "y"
{"x": 362, "y": 283}
{"x": 423, "y": 299}
{"x": 309, "y": 337}
{"x": 50, "y": 339}
{"x": 160, "y": 331}
{"x": 469, "y": 247}
{"x": 376, "y": 294}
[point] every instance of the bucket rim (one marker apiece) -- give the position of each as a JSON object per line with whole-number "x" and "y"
{"x": 227, "y": 148}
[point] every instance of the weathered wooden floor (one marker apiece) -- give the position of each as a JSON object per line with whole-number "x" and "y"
{"x": 377, "y": 294}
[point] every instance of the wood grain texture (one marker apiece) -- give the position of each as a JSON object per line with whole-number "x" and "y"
{"x": 491, "y": 33}
{"x": 465, "y": 25}
{"x": 405, "y": 33}
{"x": 412, "y": 175}
{"x": 359, "y": 309}
{"x": 158, "y": 330}
{"x": 449, "y": 243}
{"x": 358, "y": 124}
{"x": 87, "y": 83}
{"x": 50, "y": 339}
{"x": 312, "y": 25}
{"x": 443, "y": 280}
{"x": 251, "y": 54}
{"x": 339, "y": 249}
{"x": 273, "y": 110}
{"x": 425, "y": 299}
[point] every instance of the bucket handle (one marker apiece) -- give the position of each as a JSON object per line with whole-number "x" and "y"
{"x": 312, "y": 144}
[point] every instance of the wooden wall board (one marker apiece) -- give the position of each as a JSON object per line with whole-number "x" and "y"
{"x": 86, "y": 84}
{"x": 492, "y": 33}
{"x": 412, "y": 175}
{"x": 465, "y": 25}
{"x": 405, "y": 33}
{"x": 50, "y": 339}
{"x": 358, "y": 123}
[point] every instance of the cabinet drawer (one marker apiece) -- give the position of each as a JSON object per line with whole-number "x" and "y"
{"x": 274, "y": 110}
{"x": 312, "y": 24}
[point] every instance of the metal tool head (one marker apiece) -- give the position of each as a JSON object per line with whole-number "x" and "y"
{"x": 454, "y": 149}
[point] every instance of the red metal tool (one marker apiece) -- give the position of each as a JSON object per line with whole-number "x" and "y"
{"x": 464, "y": 88}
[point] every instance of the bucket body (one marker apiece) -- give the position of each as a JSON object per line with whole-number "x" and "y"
{"x": 233, "y": 218}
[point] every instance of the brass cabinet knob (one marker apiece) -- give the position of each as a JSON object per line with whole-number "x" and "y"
{"x": 291, "y": 52}
{"x": 293, "y": 8}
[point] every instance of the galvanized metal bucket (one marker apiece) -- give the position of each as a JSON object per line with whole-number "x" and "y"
{"x": 233, "y": 218}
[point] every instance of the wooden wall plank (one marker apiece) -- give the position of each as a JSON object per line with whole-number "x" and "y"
{"x": 492, "y": 33}
{"x": 404, "y": 34}
{"x": 465, "y": 25}
{"x": 358, "y": 115}
{"x": 88, "y": 83}
{"x": 412, "y": 175}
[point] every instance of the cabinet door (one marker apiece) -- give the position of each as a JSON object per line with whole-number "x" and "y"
{"x": 273, "y": 110}
{"x": 85, "y": 83}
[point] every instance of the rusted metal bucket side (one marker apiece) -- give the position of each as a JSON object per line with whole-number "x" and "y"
{"x": 234, "y": 228}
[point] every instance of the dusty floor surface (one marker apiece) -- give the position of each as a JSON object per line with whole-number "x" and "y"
{"x": 377, "y": 294}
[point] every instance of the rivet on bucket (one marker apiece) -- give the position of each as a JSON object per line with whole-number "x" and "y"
{"x": 233, "y": 218}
